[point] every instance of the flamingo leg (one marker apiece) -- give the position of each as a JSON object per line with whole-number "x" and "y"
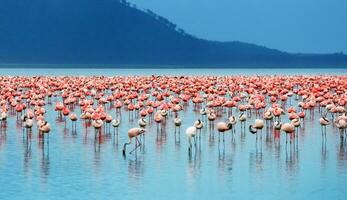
{"x": 286, "y": 138}
{"x": 261, "y": 134}
{"x": 137, "y": 145}
{"x": 325, "y": 132}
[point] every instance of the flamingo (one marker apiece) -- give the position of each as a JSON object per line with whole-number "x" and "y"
{"x": 199, "y": 125}
{"x": 133, "y": 133}
{"x": 258, "y": 125}
{"x": 191, "y": 133}
{"x": 108, "y": 120}
{"x": 233, "y": 121}
{"x": 66, "y": 112}
{"x": 211, "y": 116}
{"x": 19, "y": 110}
{"x": 177, "y": 122}
{"x": 59, "y": 107}
{"x": 73, "y": 118}
{"x": 44, "y": 129}
{"x": 277, "y": 125}
{"x": 3, "y": 118}
{"x": 28, "y": 124}
{"x": 97, "y": 124}
{"x": 163, "y": 113}
{"x": 324, "y": 122}
{"x": 289, "y": 129}
{"x": 301, "y": 115}
{"x": 296, "y": 122}
{"x": 268, "y": 117}
{"x": 242, "y": 119}
{"x": 203, "y": 112}
{"x": 115, "y": 123}
{"x": 142, "y": 122}
{"x": 223, "y": 127}
{"x": 158, "y": 119}
{"x": 341, "y": 124}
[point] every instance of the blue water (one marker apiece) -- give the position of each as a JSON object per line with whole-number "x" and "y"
{"x": 79, "y": 167}
{"x": 97, "y": 71}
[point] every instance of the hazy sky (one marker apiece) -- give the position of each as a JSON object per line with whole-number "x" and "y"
{"x": 318, "y": 26}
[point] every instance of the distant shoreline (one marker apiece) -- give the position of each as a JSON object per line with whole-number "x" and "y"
{"x": 156, "y": 66}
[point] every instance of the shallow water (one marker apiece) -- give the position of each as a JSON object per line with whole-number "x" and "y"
{"x": 76, "y": 166}
{"x": 33, "y": 70}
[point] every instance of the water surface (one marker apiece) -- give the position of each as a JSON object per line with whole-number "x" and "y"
{"x": 95, "y": 70}
{"x": 76, "y": 166}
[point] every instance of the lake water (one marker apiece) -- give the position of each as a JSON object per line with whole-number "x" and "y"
{"x": 76, "y": 166}
{"x": 96, "y": 71}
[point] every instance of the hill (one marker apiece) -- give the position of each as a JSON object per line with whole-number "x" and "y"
{"x": 112, "y": 31}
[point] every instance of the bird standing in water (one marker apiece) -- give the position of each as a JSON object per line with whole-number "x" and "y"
{"x": 232, "y": 121}
{"x": 73, "y": 118}
{"x": 142, "y": 122}
{"x": 242, "y": 119}
{"x": 198, "y": 124}
{"x": 44, "y": 129}
{"x": 191, "y": 133}
{"x": 289, "y": 129}
{"x": 97, "y": 124}
{"x": 115, "y": 123}
{"x": 258, "y": 125}
{"x": 222, "y": 127}
{"x": 211, "y": 116}
{"x": 324, "y": 122}
{"x": 177, "y": 122}
{"x": 133, "y": 133}
{"x": 28, "y": 124}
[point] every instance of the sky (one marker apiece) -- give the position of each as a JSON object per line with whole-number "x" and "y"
{"x": 296, "y": 26}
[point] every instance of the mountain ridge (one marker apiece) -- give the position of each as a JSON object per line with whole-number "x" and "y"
{"x": 111, "y": 31}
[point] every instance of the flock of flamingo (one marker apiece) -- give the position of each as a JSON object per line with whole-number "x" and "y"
{"x": 278, "y": 103}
